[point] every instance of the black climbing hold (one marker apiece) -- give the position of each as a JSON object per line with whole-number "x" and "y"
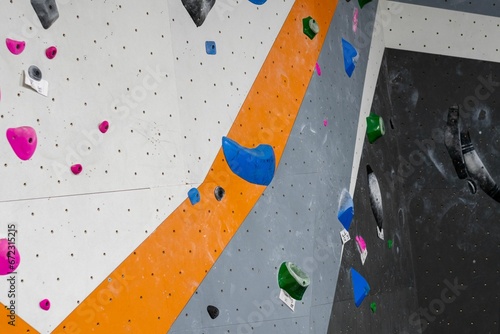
{"x": 35, "y": 73}
{"x": 46, "y": 10}
{"x": 453, "y": 143}
{"x": 219, "y": 193}
{"x": 198, "y": 9}
{"x": 472, "y": 186}
{"x": 376, "y": 200}
{"x": 213, "y": 311}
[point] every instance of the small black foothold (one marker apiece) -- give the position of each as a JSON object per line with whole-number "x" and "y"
{"x": 35, "y": 73}
{"x": 392, "y": 125}
{"x": 219, "y": 193}
{"x": 213, "y": 311}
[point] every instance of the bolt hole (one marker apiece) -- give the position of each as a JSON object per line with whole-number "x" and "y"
{"x": 30, "y": 140}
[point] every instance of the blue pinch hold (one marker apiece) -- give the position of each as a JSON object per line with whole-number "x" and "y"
{"x": 255, "y": 165}
{"x": 350, "y": 57}
{"x": 360, "y": 287}
{"x": 346, "y": 209}
{"x": 194, "y": 196}
{"x": 211, "y": 47}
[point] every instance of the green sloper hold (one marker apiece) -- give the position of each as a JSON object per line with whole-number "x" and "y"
{"x": 390, "y": 243}
{"x": 293, "y": 280}
{"x": 363, "y": 2}
{"x": 374, "y": 127}
{"x": 373, "y": 307}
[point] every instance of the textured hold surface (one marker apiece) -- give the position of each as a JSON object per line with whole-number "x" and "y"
{"x": 47, "y": 11}
{"x": 198, "y": 9}
{"x": 350, "y": 57}
{"x": 23, "y": 141}
{"x": 7, "y": 254}
{"x": 255, "y": 165}
{"x": 15, "y": 47}
{"x": 360, "y": 287}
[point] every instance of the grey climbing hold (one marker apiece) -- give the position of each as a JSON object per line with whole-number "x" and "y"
{"x": 213, "y": 311}
{"x": 198, "y": 9}
{"x": 35, "y": 73}
{"x": 47, "y": 11}
{"x": 219, "y": 193}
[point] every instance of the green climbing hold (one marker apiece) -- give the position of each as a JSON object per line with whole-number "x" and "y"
{"x": 373, "y": 307}
{"x": 293, "y": 280}
{"x": 310, "y": 26}
{"x": 390, "y": 243}
{"x": 363, "y": 2}
{"x": 374, "y": 127}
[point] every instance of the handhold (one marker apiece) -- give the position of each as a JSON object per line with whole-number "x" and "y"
{"x": 325, "y": 122}
{"x": 360, "y": 243}
{"x": 255, "y": 165}
{"x": 258, "y": 2}
{"x": 390, "y": 243}
{"x": 23, "y": 141}
{"x": 350, "y": 57}
{"x": 363, "y": 2}
{"x": 219, "y": 193}
{"x": 213, "y": 311}
{"x": 373, "y": 307}
{"x": 45, "y": 304}
{"x": 15, "y": 47}
{"x": 318, "y": 69}
{"x": 360, "y": 287}
{"x": 9, "y": 257}
{"x": 47, "y": 11}
{"x": 104, "y": 126}
{"x": 76, "y": 169}
{"x": 453, "y": 143}
{"x": 375, "y": 200}
{"x": 346, "y": 209}
{"x": 35, "y": 73}
{"x": 211, "y": 47}
{"x": 198, "y": 9}
{"x": 194, "y": 196}
{"x": 51, "y": 52}
{"x": 375, "y": 127}
{"x": 310, "y": 27}
{"x": 293, "y": 280}
{"x": 355, "y": 20}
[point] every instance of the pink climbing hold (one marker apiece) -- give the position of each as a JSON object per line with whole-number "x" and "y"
{"x": 51, "y": 52}
{"x": 355, "y": 20}
{"x": 318, "y": 69}
{"x": 23, "y": 141}
{"x": 9, "y": 257}
{"x": 325, "y": 122}
{"x": 104, "y": 126}
{"x": 361, "y": 243}
{"x": 45, "y": 304}
{"x": 76, "y": 169}
{"x": 15, "y": 47}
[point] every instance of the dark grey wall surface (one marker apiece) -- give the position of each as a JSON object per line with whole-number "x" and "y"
{"x": 451, "y": 235}
{"x": 483, "y": 7}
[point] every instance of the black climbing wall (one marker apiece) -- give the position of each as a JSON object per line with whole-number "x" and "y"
{"x": 442, "y": 275}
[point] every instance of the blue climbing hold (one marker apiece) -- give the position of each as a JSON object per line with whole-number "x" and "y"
{"x": 359, "y": 286}
{"x": 255, "y": 165}
{"x": 194, "y": 195}
{"x": 258, "y": 2}
{"x": 350, "y": 57}
{"x": 346, "y": 209}
{"x": 211, "y": 47}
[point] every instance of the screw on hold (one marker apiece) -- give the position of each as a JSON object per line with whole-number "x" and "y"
{"x": 104, "y": 126}
{"x": 76, "y": 169}
{"x": 35, "y": 73}
{"x": 45, "y": 304}
{"x": 219, "y": 193}
{"x": 390, "y": 243}
{"x": 213, "y": 311}
{"x": 373, "y": 307}
{"x": 51, "y": 52}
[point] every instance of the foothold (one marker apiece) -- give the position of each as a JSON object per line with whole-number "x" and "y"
{"x": 194, "y": 196}
{"x": 23, "y": 141}
{"x": 310, "y": 27}
{"x": 35, "y": 73}
{"x": 47, "y": 11}
{"x": 318, "y": 69}
{"x": 104, "y": 126}
{"x": 15, "y": 47}
{"x": 373, "y": 307}
{"x": 390, "y": 243}
{"x": 255, "y": 165}
{"x": 360, "y": 287}
{"x": 198, "y": 9}
{"x": 362, "y": 3}
{"x": 9, "y": 257}
{"x": 293, "y": 280}
{"x": 76, "y": 169}
{"x": 258, "y": 2}
{"x": 355, "y": 20}
{"x": 375, "y": 127}
{"x": 45, "y": 304}
{"x": 376, "y": 200}
{"x": 211, "y": 47}
{"x": 51, "y": 52}
{"x": 350, "y": 57}
{"x": 219, "y": 193}
{"x": 346, "y": 209}
{"x": 213, "y": 311}
{"x": 360, "y": 243}
{"x": 325, "y": 122}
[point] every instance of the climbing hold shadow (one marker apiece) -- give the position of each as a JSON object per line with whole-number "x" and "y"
{"x": 375, "y": 200}
{"x": 310, "y": 27}
{"x": 47, "y": 11}
{"x": 15, "y": 47}
{"x": 453, "y": 143}
{"x": 35, "y": 73}
{"x": 360, "y": 287}
{"x": 362, "y": 3}
{"x": 194, "y": 196}
{"x": 293, "y": 280}
{"x": 104, "y": 126}
{"x": 375, "y": 127}
{"x": 219, "y": 193}
{"x": 350, "y": 57}
{"x": 9, "y": 257}
{"x": 255, "y": 165}
{"x": 213, "y": 311}
{"x": 45, "y": 304}
{"x": 346, "y": 209}
{"x": 198, "y": 9}
{"x": 76, "y": 169}
{"x": 23, "y": 141}
{"x": 210, "y": 47}
{"x": 51, "y": 52}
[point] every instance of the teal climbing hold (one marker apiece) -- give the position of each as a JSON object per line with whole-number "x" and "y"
{"x": 360, "y": 287}
{"x": 350, "y": 57}
{"x": 255, "y": 165}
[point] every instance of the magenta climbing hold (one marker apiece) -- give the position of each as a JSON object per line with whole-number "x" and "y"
{"x": 76, "y": 169}
{"x": 318, "y": 69}
{"x": 23, "y": 141}
{"x": 104, "y": 126}
{"x": 45, "y": 304}
{"x": 15, "y": 47}
{"x": 9, "y": 257}
{"x": 355, "y": 20}
{"x": 325, "y": 122}
{"x": 360, "y": 242}
{"x": 51, "y": 52}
